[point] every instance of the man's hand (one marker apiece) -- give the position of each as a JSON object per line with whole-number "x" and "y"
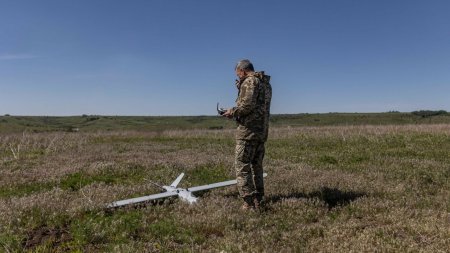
{"x": 228, "y": 113}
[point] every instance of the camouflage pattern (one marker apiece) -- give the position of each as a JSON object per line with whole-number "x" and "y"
{"x": 252, "y": 115}
{"x": 252, "y": 109}
{"x": 249, "y": 169}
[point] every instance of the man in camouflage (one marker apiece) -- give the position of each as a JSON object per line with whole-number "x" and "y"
{"x": 252, "y": 113}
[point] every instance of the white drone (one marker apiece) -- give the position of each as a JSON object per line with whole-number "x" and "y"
{"x": 172, "y": 190}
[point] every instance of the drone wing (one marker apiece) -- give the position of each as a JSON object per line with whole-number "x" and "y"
{"x": 141, "y": 199}
{"x": 211, "y": 186}
{"x": 215, "y": 185}
{"x": 177, "y": 181}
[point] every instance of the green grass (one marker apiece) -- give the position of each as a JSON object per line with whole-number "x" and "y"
{"x": 24, "y": 189}
{"x": 131, "y": 175}
{"x": 75, "y": 181}
{"x": 161, "y": 123}
{"x": 207, "y": 174}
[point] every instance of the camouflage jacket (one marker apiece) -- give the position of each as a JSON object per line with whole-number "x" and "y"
{"x": 252, "y": 109}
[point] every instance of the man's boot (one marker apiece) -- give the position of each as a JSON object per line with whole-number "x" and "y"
{"x": 258, "y": 201}
{"x": 248, "y": 203}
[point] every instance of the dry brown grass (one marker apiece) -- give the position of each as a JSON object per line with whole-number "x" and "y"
{"x": 329, "y": 189}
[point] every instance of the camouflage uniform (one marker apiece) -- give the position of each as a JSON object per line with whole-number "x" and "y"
{"x": 252, "y": 115}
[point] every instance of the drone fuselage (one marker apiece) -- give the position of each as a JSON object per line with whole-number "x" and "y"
{"x": 184, "y": 194}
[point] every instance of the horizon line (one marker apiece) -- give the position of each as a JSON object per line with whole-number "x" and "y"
{"x": 204, "y": 115}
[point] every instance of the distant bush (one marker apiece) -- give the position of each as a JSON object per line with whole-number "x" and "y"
{"x": 429, "y": 113}
{"x": 92, "y": 118}
{"x": 7, "y": 115}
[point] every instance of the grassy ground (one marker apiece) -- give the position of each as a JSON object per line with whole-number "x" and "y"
{"x": 382, "y": 188}
{"x": 92, "y": 123}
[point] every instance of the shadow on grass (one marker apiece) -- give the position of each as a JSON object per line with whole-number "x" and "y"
{"x": 331, "y": 196}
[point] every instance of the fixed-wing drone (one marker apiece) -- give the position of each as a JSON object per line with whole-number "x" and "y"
{"x": 172, "y": 190}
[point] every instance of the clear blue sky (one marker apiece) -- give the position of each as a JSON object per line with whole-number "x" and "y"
{"x": 177, "y": 57}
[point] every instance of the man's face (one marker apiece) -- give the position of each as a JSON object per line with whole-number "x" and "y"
{"x": 240, "y": 73}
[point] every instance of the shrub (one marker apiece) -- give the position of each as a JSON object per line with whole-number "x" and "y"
{"x": 429, "y": 113}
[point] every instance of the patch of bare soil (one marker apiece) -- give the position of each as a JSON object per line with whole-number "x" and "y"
{"x": 46, "y": 235}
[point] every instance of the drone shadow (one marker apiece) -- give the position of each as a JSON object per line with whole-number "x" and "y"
{"x": 331, "y": 196}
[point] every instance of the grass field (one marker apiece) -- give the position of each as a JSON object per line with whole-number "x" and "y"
{"x": 92, "y": 123}
{"x": 333, "y": 186}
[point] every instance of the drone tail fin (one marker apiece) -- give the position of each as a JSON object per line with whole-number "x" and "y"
{"x": 177, "y": 181}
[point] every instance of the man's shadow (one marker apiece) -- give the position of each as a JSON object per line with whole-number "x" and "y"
{"x": 331, "y": 196}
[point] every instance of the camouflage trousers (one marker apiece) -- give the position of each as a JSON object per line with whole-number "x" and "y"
{"x": 248, "y": 162}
